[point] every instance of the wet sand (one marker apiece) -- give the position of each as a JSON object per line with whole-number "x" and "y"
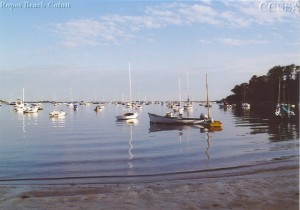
{"x": 274, "y": 186}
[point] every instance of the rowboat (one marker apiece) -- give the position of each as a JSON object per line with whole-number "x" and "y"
{"x": 167, "y": 119}
{"x": 205, "y": 120}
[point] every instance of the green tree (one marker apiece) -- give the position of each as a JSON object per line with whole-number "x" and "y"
{"x": 265, "y": 89}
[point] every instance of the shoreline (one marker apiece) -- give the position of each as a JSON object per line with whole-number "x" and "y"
{"x": 270, "y": 186}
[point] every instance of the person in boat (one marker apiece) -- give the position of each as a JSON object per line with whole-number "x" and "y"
{"x": 205, "y": 117}
{"x": 180, "y": 115}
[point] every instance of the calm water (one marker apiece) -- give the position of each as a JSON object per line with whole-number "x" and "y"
{"x": 89, "y": 144}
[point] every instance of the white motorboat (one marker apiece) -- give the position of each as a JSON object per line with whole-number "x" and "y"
{"x": 31, "y": 109}
{"x": 70, "y": 104}
{"x": 57, "y": 114}
{"x": 98, "y": 108}
{"x": 246, "y": 105}
{"x": 128, "y": 116}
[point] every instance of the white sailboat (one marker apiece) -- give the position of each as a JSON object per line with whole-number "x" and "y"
{"x": 70, "y": 103}
{"x": 178, "y": 107}
{"x": 245, "y": 105}
{"x": 283, "y": 110}
{"x": 128, "y": 115}
{"x": 188, "y": 106}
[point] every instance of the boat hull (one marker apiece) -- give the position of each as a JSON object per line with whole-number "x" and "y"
{"x": 127, "y": 116}
{"x": 174, "y": 120}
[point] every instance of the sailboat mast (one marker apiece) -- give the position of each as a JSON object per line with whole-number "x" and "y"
{"x": 130, "y": 96}
{"x": 208, "y": 110}
{"x": 188, "y": 85}
{"x": 23, "y": 97}
{"x": 278, "y": 100}
{"x": 179, "y": 91}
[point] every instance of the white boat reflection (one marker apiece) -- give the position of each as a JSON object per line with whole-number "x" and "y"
{"x": 128, "y": 122}
{"x": 130, "y": 154}
{"x": 58, "y": 122}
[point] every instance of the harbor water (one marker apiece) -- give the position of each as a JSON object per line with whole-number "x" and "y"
{"x": 86, "y": 144}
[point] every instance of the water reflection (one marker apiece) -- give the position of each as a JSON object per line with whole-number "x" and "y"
{"x": 265, "y": 122}
{"x": 130, "y": 155}
{"x": 29, "y": 118}
{"x": 283, "y": 131}
{"x": 129, "y": 123}
{"x": 164, "y": 127}
{"x": 89, "y": 145}
{"x": 185, "y": 128}
{"x": 208, "y": 146}
{"x": 58, "y": 122}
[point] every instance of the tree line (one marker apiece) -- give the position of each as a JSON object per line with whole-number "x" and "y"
{"x": 280, "y": 84}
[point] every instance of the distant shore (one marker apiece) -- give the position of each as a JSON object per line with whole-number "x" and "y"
{"x": 273, "y": 186}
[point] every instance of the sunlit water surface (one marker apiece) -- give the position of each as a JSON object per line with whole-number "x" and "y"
{"x": 86, "y": 143}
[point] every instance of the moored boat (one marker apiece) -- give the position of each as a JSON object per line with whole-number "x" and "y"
{"x": 57, "y": 114}
{"x": 98, "y": 108}
{"x": 128, "y": 116}
{"x": 167, "y": 119}
{"x": 31, "y": 109}
{"x": 205, "y": 120}
{"x": 283, "y": 110}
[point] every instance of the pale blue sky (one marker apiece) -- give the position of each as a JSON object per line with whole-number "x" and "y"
{"x": 87, "y": 47}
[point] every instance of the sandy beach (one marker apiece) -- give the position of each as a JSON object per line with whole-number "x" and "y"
{"x": 271, "y": 186}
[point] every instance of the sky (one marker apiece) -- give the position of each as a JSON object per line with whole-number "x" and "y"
{"x": 80, "y": 50}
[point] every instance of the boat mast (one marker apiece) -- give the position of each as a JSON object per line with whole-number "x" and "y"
{"x": 179, "y": 92}
{"x": 244, "y": 94}
{"x": 130, "y": 96}
{"x": 208, "y": 111}
{"x": 188, "y": 86}
{"x": 23, "y": 97}
{"x": 71, "y": 95}
{"x": 278, "y": 100}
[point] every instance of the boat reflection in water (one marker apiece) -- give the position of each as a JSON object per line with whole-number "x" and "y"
{"x": 181, "y": 128}
{"x": 58, "y": 122}
{"x": 167, "y": 127}
{"x": 129, "y": 123}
